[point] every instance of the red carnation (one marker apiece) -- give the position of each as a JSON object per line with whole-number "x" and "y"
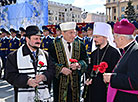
{"x": 41, "y": 63}
{"x": 95, "y": 67}
{"x": 73, "y": 60}
{"x": 101, "y": 69}
{"x": 104, "y": 65}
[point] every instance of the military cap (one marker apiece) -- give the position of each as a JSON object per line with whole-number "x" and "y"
{"x": 12, "y": 30}
{"x": 32, "y": 30}
{"x": 22, "y": 29}
{"x": 44, "y": 28}
{"x": 3, "y": 30}
{"x": 57, "y": 27}
{"x": 89, "y": 26}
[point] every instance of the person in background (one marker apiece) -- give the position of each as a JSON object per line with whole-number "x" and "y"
{"x": 46, "y": 39}
{"x": 136, "y": 30}
{"x": 58, "y": 31}
{"x": 22, "y": 32}
{"x": 123, "y": 86}
{"x": 23, "y": 69}
{"x": 66, "y": 84}
{"x": 14, "y": 41}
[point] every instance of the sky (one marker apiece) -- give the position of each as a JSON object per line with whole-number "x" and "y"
{"x": 91, "y": 6}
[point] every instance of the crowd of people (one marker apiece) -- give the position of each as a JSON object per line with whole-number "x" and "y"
{"x": 105, "y": 55}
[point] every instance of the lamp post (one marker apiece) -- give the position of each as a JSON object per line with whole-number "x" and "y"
{"x": 118, "y": 6}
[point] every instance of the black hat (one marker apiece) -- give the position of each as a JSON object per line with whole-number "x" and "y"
{"x": 12, "y": 30}
{"x": 89, "y": 26}
{"x": 22, "y": 29}
{"x": 32, "y": 30}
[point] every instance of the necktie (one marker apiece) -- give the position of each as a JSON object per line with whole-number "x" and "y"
{"x": 69, "y": 46}
{"x": 34, "y": 54}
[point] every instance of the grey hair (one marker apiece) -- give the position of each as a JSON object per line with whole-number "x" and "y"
{"x": 129, "y": 37}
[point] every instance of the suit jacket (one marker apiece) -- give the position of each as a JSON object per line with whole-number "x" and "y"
{"x": 126, "y": 77}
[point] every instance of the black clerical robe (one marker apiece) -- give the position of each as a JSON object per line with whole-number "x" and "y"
{"x": 126, "y": 77}
{"x": 98, "y": 89}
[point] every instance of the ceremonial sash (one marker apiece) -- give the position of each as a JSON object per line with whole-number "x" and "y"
{"x": 62, "y": 59}
{"x": 112, "y": 92}
{"x": 25, "y": 65}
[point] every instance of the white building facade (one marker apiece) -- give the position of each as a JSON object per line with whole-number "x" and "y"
{"x": 58, "y": 13}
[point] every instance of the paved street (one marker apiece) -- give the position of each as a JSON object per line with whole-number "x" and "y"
{"x": 6, "y": 92}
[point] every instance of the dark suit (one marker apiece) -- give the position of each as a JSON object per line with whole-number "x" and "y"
{"x": 127, "y": 75}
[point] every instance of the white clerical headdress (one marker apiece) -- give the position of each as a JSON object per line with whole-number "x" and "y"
{"x": 68, "y": 26}
{"x": 104, "y": 29}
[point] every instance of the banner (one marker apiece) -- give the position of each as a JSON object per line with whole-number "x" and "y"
{"x": 32, "y": 12}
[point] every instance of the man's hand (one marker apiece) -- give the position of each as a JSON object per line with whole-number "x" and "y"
{"x": 40, "y": 78}
{"x": 88, "y": 82}
{"x": 66, "y": 71}
{"x": 107, "y": 77}
{"x": 32, "y": 82}
{"x": 74, "y": 66}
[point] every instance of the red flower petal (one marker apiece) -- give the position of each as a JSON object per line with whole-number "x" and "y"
{"x": 101, "y": 69}
{"x": 95, "y": 67}
{"x": 41, "y": 63}
{"x": 104, "y": 64}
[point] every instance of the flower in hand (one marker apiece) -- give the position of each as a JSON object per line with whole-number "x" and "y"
{"x": 100, "y": 68}
{"x": 38, "y": 79}
{"x": 74, "y": 64}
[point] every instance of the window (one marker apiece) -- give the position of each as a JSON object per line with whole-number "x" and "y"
{"x": 114, "y": 17}
{"x": 55, "y": 18}
{"x": 137, "y": 7}
{"x": 114, "y": 10}
{"x": 108, "y": 0}
{"x": 122, "y": 9}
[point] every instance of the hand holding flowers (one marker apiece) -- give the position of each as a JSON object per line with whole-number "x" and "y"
{"x": 74, "y": 64}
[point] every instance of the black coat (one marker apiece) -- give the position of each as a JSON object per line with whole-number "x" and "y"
{"x": 97, "y": 90}
{"x": 127, "y": 75}
{"x": 19, "y": 80}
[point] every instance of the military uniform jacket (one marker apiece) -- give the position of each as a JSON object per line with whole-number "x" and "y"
{"x": 13, "y": 45}
{"x": 126, "y": 77}
{"x": 46, "y": 42}
{"x": 18, "y": 72}
{"x": 57, "y": 51}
